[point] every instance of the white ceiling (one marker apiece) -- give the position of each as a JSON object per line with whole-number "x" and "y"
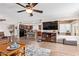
{"x": 51, "y": 11}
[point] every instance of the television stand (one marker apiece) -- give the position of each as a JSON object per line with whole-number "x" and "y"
{"x": 48, "y": 37}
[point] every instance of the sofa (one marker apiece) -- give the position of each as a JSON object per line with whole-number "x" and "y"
{"x": 68, "y": 40}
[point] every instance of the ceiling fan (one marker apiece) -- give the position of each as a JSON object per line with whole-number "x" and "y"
{"x": 29, "y": 8}
{"x": 2, "y": 19}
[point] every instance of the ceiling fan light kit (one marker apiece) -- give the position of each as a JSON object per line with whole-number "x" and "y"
{"x": 29, "y": 10}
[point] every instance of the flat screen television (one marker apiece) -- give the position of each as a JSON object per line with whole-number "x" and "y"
{"x": 50, "y": 25}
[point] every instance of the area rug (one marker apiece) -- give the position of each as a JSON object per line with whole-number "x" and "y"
{"x": 32, "y": 50}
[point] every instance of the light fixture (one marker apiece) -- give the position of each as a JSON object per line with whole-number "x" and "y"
{"x": 29, "y": 10}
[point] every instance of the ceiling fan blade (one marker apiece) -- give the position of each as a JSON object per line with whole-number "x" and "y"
{"x": 28, "y": 3}
{"x": 20, "y": 5}
{"x": 34, "y": 4}
{"x": 31, "y": 14}
{"x": 39, "y": 11}
{"x": 21, "y": 11}
{"x": 2, "y": 19}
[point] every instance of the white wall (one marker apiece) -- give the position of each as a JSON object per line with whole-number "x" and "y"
{"x": 4, "y": 28}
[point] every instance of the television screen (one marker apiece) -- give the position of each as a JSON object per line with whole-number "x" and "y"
{"x": 50, "y": 25}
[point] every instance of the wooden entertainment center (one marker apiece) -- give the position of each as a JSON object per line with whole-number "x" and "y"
{"x": 49, "y": 37}
{"x": 48, "y": 31}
